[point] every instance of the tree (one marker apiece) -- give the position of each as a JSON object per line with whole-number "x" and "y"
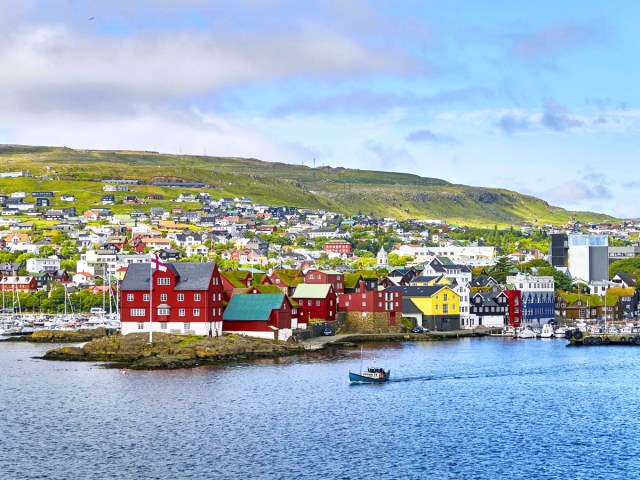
{"x": 501, "y": 269}
{"x": 562, "y": 280}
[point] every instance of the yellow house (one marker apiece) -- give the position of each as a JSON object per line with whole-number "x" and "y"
{"x": 438, "y": 304}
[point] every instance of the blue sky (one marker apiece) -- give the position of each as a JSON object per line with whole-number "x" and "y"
{"x": 538, "y": 97}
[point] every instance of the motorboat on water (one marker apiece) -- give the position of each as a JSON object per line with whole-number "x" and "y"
{"x": 547, "y": 331}
{"x": 526, "y": 332}
{"x": 370, "y": 375}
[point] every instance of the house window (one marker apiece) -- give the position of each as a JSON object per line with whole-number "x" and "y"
{"x": 436, "y": 308}
{"x": 140, "y": 326}
{"x": 331, "y": 303}
{"x": 317, "y": 303}
{"x": 181, "y": 297}
{"x": 196, "y": 312}
{"x": 379, "y": 304}
{"x": 163, "y": 325}
{"x": 137, "y": 312}
{"x": 309, "y": 302}
{"x": 164, "y": 281}
{"x": 163, "y": 297}
{"x": 445, "y": 308}
{"x": 346, "y": 304}
{"x": 181, "y": 312}
{"x": 215, "y": 281}
{"x": 163, "y": 311}
{"x": 187, "y": 326}
{"x": 129, "y": 297}
{"x": 196, "y": 297}
{"x": 445, "y": 297}
{"x": 145, "y": 297}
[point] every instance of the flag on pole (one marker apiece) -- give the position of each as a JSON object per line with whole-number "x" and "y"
{"x": 158, "y": 264}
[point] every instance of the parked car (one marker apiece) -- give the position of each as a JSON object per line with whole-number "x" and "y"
{"x": 419, "y": 329}
{"x": 327, "y": 332}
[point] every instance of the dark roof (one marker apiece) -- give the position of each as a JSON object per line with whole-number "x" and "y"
{"x": 190, "y": 276}
{"x": 409, "y": 307}
{"x": 417, "y": 291}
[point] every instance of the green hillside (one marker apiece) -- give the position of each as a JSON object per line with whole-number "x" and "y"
{"x": 344, "y": 190}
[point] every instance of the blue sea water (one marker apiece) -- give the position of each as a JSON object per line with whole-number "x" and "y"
{"x": 486, "y": 408}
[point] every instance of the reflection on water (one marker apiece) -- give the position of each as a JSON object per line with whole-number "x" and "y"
{"x": 473, "y": 408}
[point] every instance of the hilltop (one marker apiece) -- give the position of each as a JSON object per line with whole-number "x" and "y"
{"x": 349, "y": 191}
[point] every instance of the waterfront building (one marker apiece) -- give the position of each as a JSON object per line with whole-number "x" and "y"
{"x": 589, "y": 257}
{"x": 373, "y": 302}
{"x": 317, "y": 302}
{"x": 439, "y": 304}
{"x": 264, "y": 315}
{"x": 537, "y": 297}
{"x": 185, "y": 298}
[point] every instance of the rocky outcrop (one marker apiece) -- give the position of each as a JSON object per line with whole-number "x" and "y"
{"x": 171, "y": 351}
{"x": 60, "y": 336}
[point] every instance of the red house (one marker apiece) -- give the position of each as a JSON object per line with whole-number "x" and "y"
{"x": 285, "y": 280}
{"x": 233, "y": 280}
{"x": 265, "y": 315}
{"x": 322, "y": 277}
{"x": 186, "y": 298}
{"x": 315, "y": 302}
{"x": 514, "y": 300}
{"x": 337, "y": 246}
{"x": 375, "y": 301}
{"x": 19, "y": 284}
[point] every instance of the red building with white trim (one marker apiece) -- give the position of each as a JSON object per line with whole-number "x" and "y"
{"x": 514, "y": 301}
{"x": 337, "y": 246}
{"x": 331, "y": 277}
{"x": 315, "y": 302}
{"x": 373, "y": 301}
{"x": 185, "y": 299}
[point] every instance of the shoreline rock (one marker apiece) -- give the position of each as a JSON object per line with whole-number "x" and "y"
{"x": 171, "y": 352}
{"x": 60, "y": 336}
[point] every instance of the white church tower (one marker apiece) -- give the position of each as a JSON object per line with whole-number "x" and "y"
{"x": 383, "y": 258}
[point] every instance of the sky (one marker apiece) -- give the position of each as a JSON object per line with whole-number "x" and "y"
{"x": 538, "y": 97}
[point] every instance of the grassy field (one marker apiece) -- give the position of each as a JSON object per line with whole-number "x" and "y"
{"x": 342, "y": 190}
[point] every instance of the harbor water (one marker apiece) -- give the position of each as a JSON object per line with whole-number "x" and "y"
{"x": 480, "y": 408}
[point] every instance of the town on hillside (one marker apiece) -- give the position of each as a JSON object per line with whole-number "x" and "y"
{"x": 212, "y": 266}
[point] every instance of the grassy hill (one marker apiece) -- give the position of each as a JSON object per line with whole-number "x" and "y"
{"x": 351, "y": 191}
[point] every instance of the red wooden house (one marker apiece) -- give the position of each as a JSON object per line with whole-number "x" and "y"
{"x": 321, "y": 277}
{"x": 373, "y": 301}
{"x": 266, "y": 315}
{"x": 337, "y": 246}
{"x": 514, "y": 300}
{"x": 233, "y": 280}
{"x": 186, "y": 298}
{"x": 22, "y": 284}
{"x": 285, "y": 280}
{"x": 315, "y": 302}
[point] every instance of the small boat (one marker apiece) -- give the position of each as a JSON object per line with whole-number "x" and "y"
{"x": 526, "y": 332}
{"x": 371, "y": 375}
{"x": 547, "y": 331}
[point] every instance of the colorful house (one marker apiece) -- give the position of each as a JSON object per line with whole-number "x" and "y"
{"x": 439, "y": 304}
{"x": 322, "y": 277}
{"x": 315, "y": 302}
{"x": 375, "y": 301}
{"x": 186, "y": 298}
{"x": 265, "y": 315}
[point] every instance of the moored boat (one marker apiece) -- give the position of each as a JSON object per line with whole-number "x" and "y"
{"x": 547, "y": 331}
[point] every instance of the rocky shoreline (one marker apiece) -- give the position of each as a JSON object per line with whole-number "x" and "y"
{"x": 171, "y": 352}
{"x": 61, "y": 336}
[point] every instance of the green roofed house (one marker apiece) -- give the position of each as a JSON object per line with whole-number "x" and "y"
{"x": 265, "y": 315}
{"x": 317, "y": 302}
